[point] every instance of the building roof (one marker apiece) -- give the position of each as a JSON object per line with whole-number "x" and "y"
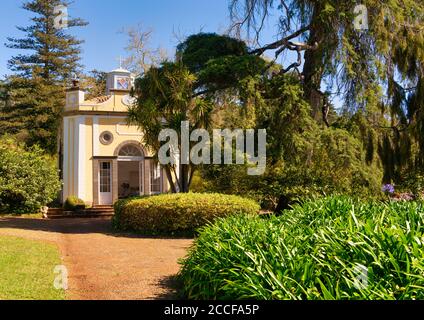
{"x": 99, "y": 100}
{"x": 121, "y": 70}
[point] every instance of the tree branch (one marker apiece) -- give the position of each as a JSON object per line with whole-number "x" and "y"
{"x": 280, "y": 43}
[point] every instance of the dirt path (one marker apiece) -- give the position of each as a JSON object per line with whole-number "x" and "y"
{"x": 104, "y": 265}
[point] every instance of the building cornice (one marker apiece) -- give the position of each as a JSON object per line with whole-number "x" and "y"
{"x": 116, "y": 158}
{"x": 119, "y": 91}
{"x": 95, "y": 113}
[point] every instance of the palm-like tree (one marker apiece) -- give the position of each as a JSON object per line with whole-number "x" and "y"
{"x": 165, "y": 98}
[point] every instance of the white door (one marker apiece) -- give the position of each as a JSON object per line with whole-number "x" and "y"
{"x": 105, "y": 183}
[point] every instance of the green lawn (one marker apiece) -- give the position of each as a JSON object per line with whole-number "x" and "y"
{"x": 26, "y": 270}
{"x": 23, "y": 216}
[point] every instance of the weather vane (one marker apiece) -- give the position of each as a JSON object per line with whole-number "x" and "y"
{"x": 120, "y": 59}
{"x": 74, "y": 80}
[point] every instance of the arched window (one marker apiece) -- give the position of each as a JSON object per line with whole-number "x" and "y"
{"x": 130, "y": 150}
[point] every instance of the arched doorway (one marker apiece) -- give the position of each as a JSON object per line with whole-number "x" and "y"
{"x": 131, "y": 159}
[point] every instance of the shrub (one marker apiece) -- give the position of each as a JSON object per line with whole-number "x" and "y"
{"x": 319, "y": 251}
{"x": 178, "y": 213}
{"x": 74, "y": 204}
{"x": 118, "y": 207}
{"x": 29, "y": 180}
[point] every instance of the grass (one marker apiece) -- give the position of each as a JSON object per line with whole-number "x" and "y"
{"x": 23, "y": 216}
{"x": 328, "y": 249}
{"x": 26, "y": 270}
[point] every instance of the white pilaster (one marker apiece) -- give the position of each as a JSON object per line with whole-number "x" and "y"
{"x": 65, "y": 158}
{"x": 96, "y": 134}
{"x": 81, "y": 171}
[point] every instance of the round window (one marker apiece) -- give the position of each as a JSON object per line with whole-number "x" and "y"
{"x": 106, "y": 138}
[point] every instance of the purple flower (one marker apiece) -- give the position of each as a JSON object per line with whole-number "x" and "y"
{"x": 388, "y": 188}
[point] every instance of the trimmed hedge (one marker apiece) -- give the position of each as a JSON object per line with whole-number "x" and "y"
{"x": 335, "y": 248}
{"x": 178, "y": 214}
{"x": 74, "y": 204}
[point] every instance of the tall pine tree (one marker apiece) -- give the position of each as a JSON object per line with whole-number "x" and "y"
{"x": 37, "y": 88}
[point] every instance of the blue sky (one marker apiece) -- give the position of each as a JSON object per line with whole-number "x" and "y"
{"x": 103, "y": 41}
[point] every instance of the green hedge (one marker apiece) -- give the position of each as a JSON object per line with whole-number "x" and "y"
{"x": 175, "y": 214}
{"x": 74, "y": 204}
{"x": 324, "y": 249}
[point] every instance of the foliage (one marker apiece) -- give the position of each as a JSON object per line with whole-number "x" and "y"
{"x": 73, "y": 203}
{"x": 218, "y": 61}
{"x": 190, "y": 90}
{"x": 94, "y": 84}
{"x": 118, "y": 209}
{"x": 376, "y": 71}
{"x": 165, "y": 99}
{"x": 229, "y": 71}
{"x": 27, "y": 270}
{"x": 178, "y": 213}
{"x": 199, "y": 49}
{"x": 37, "y": 89}
{"x": 28, "y": 178}
{"x": 320, "y": 250}
{"x": 304, "y": 160}
{"x": 414, "y": 183}
{"x": 3, "y": 95}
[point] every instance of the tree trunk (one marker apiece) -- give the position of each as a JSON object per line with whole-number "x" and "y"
{"x": 170, "y": 179}
{"x": 185, "y": 178}
{"x": 313, "y": 67}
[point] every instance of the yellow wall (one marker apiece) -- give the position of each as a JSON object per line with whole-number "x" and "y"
{"x": 113, "y": 104}
{"x": 89, "y": 120}
{"x": 80, "y": 151}
{"x": 121, "y": 133}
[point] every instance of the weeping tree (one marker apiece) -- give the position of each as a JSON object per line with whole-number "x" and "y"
{"x": 217, "y": 81}
{"x": 249, "y": 91}
{"x": 371, "y": 56}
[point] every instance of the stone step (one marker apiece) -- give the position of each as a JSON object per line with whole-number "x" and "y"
{"x": 57, "y": 213}
{"x": 54, "y": 212}
{"x": 80, "y": 215}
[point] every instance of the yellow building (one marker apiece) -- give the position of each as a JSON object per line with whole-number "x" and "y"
{"x": 103, "y": 157}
